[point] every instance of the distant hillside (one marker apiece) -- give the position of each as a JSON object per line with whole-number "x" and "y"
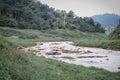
{"x": 107, "y": 20}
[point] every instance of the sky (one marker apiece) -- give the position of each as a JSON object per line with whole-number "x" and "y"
{"x": 85, "y": 8}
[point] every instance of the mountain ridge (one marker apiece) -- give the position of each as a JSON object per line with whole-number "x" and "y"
{"x": 107, "y": 19}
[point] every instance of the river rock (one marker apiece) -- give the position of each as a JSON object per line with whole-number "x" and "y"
{"x": 21, "y": 47}
{"x": 53, "y": 53}
{"x": 39, "y": 43}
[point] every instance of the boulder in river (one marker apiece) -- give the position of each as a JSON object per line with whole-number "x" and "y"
{"x": 54, "y": 53}
{"x": 21, "y": 47}
{"x": 39, "y": 43}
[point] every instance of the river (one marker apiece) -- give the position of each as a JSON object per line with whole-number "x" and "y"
{"x": 86, "y": 56}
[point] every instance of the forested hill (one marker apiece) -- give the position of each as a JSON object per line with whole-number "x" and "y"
{"x": 107, "y": 20}
{"x": 32, "y": 14}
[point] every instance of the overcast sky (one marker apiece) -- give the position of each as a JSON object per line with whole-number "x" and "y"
{"x": 85, "y": 7}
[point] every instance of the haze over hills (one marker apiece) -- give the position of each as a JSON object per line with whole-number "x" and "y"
{"x": 107, "y": 20}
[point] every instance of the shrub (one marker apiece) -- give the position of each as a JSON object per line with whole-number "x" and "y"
{"x": 4, "y": 43}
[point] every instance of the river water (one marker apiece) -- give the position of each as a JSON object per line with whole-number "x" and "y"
{"x": 86, "y": 56}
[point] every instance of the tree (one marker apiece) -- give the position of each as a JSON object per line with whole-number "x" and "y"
{"x": 35, "y": 15}
{"x": 89, "y": 20}
{"x": 71, "y": 14}
{"x": 63, "y": 13}
{"x": 116, "y": 33}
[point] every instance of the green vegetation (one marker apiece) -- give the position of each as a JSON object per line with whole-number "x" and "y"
{"x": 15, "y": 65}
{"x": 70, "y": 34}
{"x": 27, "y": 37}
{"x": 116, "y": 33}
{"x": 12, "y": 32}
{"x": 4, "y": 43}
{"x": 107, "y": 44}
{"x": 31, "y": 22}
{"x": 23, "y": 37}
{"x": 30, "y": 14}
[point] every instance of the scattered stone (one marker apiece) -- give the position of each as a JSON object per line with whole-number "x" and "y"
{"x": 96, "y": 53}
{"x": 39, "y": 43}
{"x": 37, "y": 47}
{"x": 91, "y": 56}
{"x": 72, "y": 59}
{"x": 78, "y": 49}
{"x": 54, "y": 57}
{"x": 39, "y": 53}
{"x": 54, "y": 43}
{"x": 110, "y": 51}
{"x": 20, "y": 47}
{"x": 40, "y": 49}
{"x": 62, "y": 48}
{"x": 30, "y": 49}
{"x": 67, "y": 57}
{"x": 83, "y": 52}
{"x": 69, "y": 51}
{"x": 27, "y": 50}
{"x": 56, "y": 49}
{"x": 107, "y": 59}
{"x": 100, "y": 60}
{"x": 91, "y": 61}
{"x": 89, "y": 51}
{"x": 54, "y": 53}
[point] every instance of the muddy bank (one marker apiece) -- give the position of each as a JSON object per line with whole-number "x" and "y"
{"x": 86, "y": 56}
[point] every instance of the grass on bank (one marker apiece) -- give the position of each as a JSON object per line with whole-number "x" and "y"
{"x": 104, "y": 43}
{"x": 27, "y": 37}
{"x": 16, "y": 65}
